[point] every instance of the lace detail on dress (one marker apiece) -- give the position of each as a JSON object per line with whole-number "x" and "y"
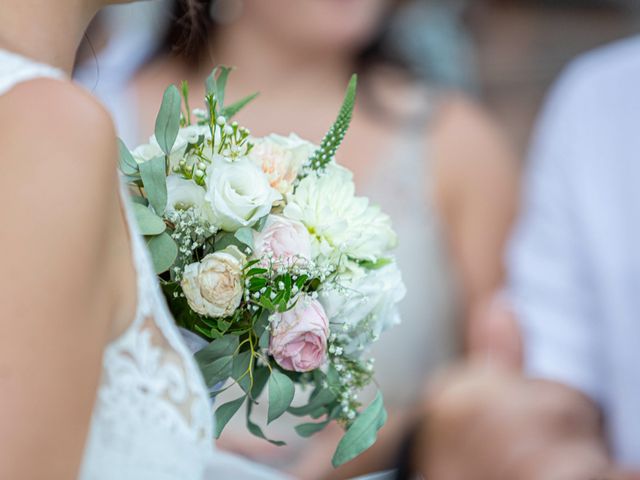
{"x": 152, "y": 413}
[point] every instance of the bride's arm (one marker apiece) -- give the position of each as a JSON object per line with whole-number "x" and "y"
{"x": 56, "y": 182}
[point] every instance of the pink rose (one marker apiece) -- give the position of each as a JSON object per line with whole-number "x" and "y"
{"x": 299, "y": 337}
{"x": 287, "y": 240}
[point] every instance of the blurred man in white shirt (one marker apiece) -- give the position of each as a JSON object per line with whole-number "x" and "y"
{"x": 574, "y": 284}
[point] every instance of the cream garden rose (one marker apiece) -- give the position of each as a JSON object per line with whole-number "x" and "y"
{"x": 213, "y": 287}
{"x": 281, "y": 158}
{"x": 239, "y": 194}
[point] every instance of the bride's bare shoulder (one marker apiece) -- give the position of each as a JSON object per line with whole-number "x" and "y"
{"x": 46, "y": 114}
{"x": 47, "y": 119}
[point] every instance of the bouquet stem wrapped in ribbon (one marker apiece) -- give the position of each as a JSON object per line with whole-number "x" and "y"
{"x": 265, "y": 252}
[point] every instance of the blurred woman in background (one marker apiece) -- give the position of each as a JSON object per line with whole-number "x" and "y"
{"x": 434, "y": 161}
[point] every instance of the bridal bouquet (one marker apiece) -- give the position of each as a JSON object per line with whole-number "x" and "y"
{"x": 265, "y": 252}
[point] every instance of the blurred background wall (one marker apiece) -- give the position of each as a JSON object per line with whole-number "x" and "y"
{"x": 522, "y": 45}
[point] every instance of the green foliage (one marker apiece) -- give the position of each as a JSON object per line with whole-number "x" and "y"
{"x": 362, "y": 432}
{"x": 232, "y": 110}
{"x": 128, "y": 165}
{"x": 245, "y": 236}
{"x": 184, "y": 87}
{"x": 242, "y": 370}
{"x": 217, "y": 349}
{"x": 216, "y": 83}
{"x": 378, "y": 264}
{"x": 281, "y": 391}
{"x": 218, "y": 371}
{"x": 321, "y": 398}
{"x": 164, "y": 251}
{"x": 260, "y": 378}
{"x": 257, "y": 431}
{"x": 332, "y": 140}
{"x": 308, "y": 429}
{"x": 148, "y": 222}
{"x": 155, "y": 183}
{"x": 139, "y": 200}
{"x": 168, "y": 119}
{"x": 225, "y": 412}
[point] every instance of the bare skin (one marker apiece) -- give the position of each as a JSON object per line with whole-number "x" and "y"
{"x": 68, "y": 286}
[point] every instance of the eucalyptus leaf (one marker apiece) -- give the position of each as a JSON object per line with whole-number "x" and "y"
{"x": 362, "y": 432}
{"x": 307, "y": 429}
{"x": 164, "y": 251}
{"x": 281, "y": 392}
{"x": 139, "y": 200}
{"x": 128, "y": 165}
{"x": 154, "y": 179}
{"x": 260, "y": 378}
{"x": 218, "y": 371}
{"x": 225, "y": 239}
{"x": 221, "y": 84}
{"x": 232, "y": 110}
{"x": 148, "y": 222}
{"x": 168, "y": 119}
{"x": 322, "y": 398}
{"x": 260, "y": 224}
{"x": 257, "y": 431}
{"x": 225, "y": 412}
{"x": 239, "y": 370}
{"x": 263, "y": 341}
{"x": 217, "y": 349}
{"x": 245, "y": 236}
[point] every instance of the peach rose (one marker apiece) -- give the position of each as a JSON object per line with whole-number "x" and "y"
{"x": 281, "y": 159}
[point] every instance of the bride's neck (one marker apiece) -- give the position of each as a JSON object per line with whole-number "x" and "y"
{"x": 44, "y": 30}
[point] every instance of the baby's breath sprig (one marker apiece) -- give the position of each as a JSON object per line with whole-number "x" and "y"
{"x": 353, "y": 375}
{"x": 190, "y": 233}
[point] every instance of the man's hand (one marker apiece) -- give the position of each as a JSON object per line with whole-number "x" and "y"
{"x": 487, "y": 424}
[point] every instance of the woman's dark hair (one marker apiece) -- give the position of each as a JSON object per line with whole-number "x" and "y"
{"x": 192, "y": 27}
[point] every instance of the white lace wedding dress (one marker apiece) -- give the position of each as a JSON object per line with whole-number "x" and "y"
{"x": 152, "y": 419}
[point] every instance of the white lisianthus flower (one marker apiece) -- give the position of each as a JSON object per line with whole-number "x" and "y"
{"x": 239, "y": 194}
{"x": 366, "y": 304}
{"x": 183, "y": 194}
{"x": 146, "y": 152}
{"x": 213, "y": 287}
{"x": 281, "y": 158}
{"x": 340, "y": 222}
